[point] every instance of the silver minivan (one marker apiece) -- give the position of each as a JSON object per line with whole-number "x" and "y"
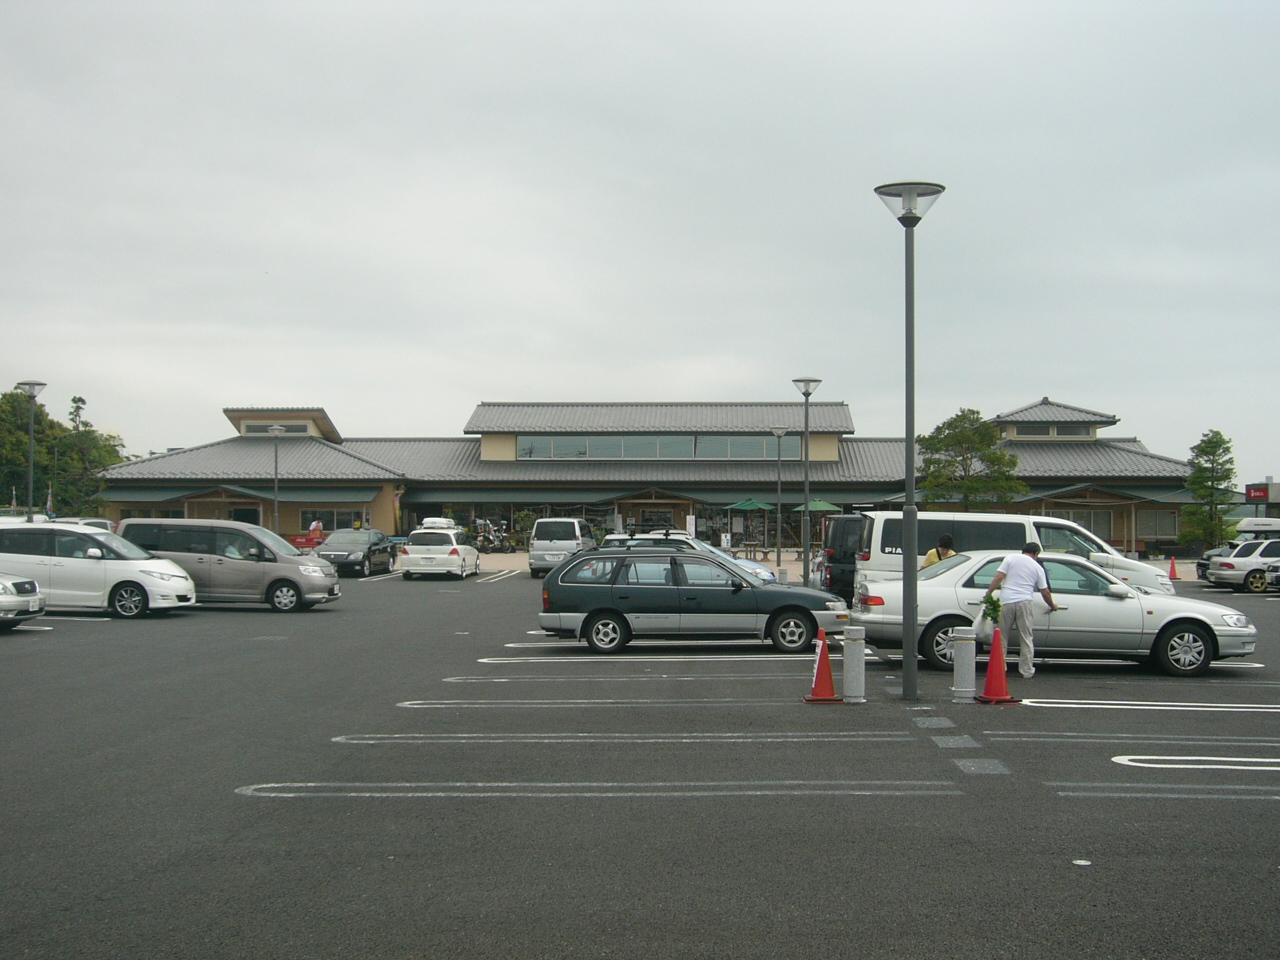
{"x": 233, "y": 562}
{"x": 554, "y": 539}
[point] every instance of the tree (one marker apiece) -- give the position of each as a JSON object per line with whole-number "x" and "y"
{"x": 963, "y": 462}
{"x": 68, "y": 462}
{"x": 1213, "y": 470}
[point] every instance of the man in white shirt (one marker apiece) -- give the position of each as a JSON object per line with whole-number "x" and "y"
{"x": 1019, "y": 579}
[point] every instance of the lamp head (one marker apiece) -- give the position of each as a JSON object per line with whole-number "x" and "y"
{"x": 807, "y": 385}
{"x": 275, "y": 430}
{"x": 31, "y": 388}
{"x": 778, "y": 432}
{"x": 908, "y": 202}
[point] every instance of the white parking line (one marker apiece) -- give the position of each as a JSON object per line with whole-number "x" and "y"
{"x": 1200, "y": 763}
{"x": 1166, "y": 791}
{"x": 747, "y": 788}
{"x": 805, "y": 671}
{"x": 465, "y": 739}
{"x": 576, "y": 704}
{"x": 500, "y": 575}
{"x": 585, "y": 658}
{"x": 1155, "y": 705}
{"x": 380, "y": 576}
{"x": 89, "y": 619}
{"x": 1007, "y": 736}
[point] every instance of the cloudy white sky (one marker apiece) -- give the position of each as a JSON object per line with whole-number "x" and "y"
{"x": 397, "y": 210}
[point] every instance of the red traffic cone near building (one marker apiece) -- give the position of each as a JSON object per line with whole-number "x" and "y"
{"x": 1173, "y": 569}
{"x": 996, "y": 689}
{"x": 824, "y": 689}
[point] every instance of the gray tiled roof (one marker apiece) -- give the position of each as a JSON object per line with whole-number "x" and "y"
{"x": 251, "y": 458}
{"x": 1097, "y": 459}
{"x": 1047, "y": 411}
{"x": 657, "y": 417}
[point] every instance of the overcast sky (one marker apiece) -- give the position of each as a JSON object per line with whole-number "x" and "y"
{"x": 398, "y": 210}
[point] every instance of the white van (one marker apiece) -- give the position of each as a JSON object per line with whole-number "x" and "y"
{"x": 555, "y": 538}
{"x": 880, "y": 549}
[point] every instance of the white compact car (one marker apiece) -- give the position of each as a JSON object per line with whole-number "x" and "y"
{"x": 20, "y": 601}
{"x": 1099, "y": 615}
{"x": 438, "y": 546}
{"x": 1245, "y": 568}
{"x": 86, "y": 568}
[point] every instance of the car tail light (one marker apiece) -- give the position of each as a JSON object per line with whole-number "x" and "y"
{"x": 870, "y": 601}
{"x": 404, "y": 551}
{"x": 831, "y": 551}
{"x": 864, "y": 557}
{"x": 546, "y": 600}
{"x": 1227, "y": 566}
{"x": 454, "y": 552}
{"x": 826, "y": 576}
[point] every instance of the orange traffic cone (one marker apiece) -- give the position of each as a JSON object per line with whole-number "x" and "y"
{"x": 824, "y": 689}
{"x": 996, "y": 689}
{"x": 1173, "y": 568}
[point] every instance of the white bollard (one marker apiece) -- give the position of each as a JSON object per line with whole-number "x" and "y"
{"x": 854, "y": 665}
{"x": 782, "y": 574}
{"x": 964, "y": 655}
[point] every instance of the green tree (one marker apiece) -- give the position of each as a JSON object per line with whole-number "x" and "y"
{"x": 1213, "y": 470}
{"x": 963, "y": 463}
{"x": 68, "y": 461}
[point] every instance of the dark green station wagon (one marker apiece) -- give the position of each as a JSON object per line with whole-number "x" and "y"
{"x": 606, "y": 597}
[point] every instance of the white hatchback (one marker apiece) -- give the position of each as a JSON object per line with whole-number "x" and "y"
{"x": 439, "y": 550}
{"x": 87, "y": 568}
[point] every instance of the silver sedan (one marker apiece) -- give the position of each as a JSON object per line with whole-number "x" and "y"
{"x": 1098, "y": 616}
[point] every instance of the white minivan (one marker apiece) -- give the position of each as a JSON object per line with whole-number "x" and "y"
{"x": 87, "y": 568}
{"x": 880, "y": 550}
{"x": 554, "y": 539}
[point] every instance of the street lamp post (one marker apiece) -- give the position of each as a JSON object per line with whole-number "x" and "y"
{"x": 32, "y": 389}
{"x": 275, "y": 430}
{"x": 779, "y": 433}
{"x": 908, "y": 202}
{"x": 806, "y": 385}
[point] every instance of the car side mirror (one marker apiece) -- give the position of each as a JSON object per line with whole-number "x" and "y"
{"x": 737, "y": 585}
{"x": 1119, "y": 591}
{"x": 254, "y": 555}
{"x": 93, "y": 553}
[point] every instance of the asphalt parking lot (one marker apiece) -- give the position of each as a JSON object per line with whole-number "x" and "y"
{"x": 416, "y": 771}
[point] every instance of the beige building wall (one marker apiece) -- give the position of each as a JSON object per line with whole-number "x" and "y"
{"x": 823, "y": 446}
{"x": 497, "y": 446}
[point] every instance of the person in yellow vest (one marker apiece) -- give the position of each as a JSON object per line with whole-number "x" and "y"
{"x": 944, "y": 549}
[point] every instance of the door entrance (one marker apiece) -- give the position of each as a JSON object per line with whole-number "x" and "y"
{"x": 244, "y": 514}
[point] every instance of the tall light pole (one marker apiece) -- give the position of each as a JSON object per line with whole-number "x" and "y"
{"x": 275, "y": 430}
{"x": 908, "y": 202}
{"x": 779, "y": 433}
{"x": 32, "y": 389}
{"x": 806, "y": 385}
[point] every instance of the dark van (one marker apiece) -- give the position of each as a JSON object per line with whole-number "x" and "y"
{"x": 840, "y": 539}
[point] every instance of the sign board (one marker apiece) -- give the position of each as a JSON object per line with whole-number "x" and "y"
{"x": 691, "y": 524}
{"x": 1257, "y": 493}
{"x": 726, "y": 541}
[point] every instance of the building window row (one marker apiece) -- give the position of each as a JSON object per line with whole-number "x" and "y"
{"x": 656, "y": 447}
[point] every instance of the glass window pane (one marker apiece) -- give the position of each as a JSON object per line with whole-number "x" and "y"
{"x": 675, "y": 448}
{"x": 640, "y": 447}
{"x": 713, "y": 448}
{"x": 1073, "y": 430}
{"x": 700, "y": 573}
{"x": 594, "y": 570}
{"x": 1033, "y": 430}
{"x": 746, "y": 448}
{"x": 533, "y": 448}
{"x": 791, "y": 448}
{"x": 648, "y": 573}
{"x": 605, "y": 448}
{"x": 568, "y": 447}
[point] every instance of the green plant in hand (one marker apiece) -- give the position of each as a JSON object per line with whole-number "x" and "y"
{"x": 991, "y": 607}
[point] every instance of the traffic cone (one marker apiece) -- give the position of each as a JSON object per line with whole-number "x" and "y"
{"x": 1173, "y": 568}
{"x": 824, "y": 688}
{"x": 996, "y": 689}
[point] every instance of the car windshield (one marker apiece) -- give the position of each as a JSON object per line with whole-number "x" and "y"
{"x": 127, "y": 550}
{"x": 942, "y": 566}
{"x": 348, "y": 537}
{"x": 279, "y": 544}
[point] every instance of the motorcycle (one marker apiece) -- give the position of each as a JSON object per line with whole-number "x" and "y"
{"x": 494, "y": 537}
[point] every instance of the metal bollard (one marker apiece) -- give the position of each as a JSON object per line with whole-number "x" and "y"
{"x": 964, "y": 653}
{"x": 854, "y": 665}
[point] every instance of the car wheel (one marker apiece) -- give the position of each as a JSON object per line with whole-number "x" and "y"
{"x": 6, "y": 627}
{"x": 1255, "y": 581}
{"x": 128, "y": 600}
{"x": 1184, "y": 650}
{"x": 936, "y": 642}
{"x": 284, "y": 597}
{"x": 607, "y": 633}
{"x": 536, "y": 574}
{"x": 364, "y": 568}
{"x": 793, "y": 632}
{"x": 407, "y": 575}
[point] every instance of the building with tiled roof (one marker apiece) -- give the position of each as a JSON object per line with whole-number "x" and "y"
{"x": 631, "y": 464}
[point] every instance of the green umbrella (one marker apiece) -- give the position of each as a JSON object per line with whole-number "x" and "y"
{"x": 751, "y": 504}
{"x": 816, "y": 506}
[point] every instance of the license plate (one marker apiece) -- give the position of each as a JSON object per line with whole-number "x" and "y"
{"x": 428, "y": 559}
{"x": 35, "y": 604}
{"x": 555, "y": 556}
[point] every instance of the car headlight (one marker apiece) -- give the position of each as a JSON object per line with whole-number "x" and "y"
{"x": 837, "y": 605}
{"x": 310, "y": 571}
{"x": 358, "y": 555}
{"x": 1236, "y": 620}
{"x": 7, "y": 590}
{"x": 162, "y": 575}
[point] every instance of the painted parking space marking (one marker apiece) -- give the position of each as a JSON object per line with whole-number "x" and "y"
{"x": 467, "y": 739}
{"x": 594, "y": 658}
{"x": 577, "y": 704}
{"x": 674, "y": 789}
{"x": 983, "y": 767}
{"x": 1200, "y": 763}
{"x": 389, "y": 575}
{"x": 802, "y": 674}
{"x": 1155, "y": 705}
{"x": 500, "y": 575}
{"x": 961, "y": 742}
{"x": 85, "y": 619}
{"x": 935, "y": 722}
{"x": 1134, "y": 738}
{"x": 1165, "y": 791}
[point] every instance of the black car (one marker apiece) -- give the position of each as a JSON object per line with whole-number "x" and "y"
{"x": 358, "y": 551}
{"x": 841, "y": 543}
{"x": 606, "y": 597}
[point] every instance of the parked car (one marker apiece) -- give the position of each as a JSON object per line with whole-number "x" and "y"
{"x": 682, "y": 540}
{"x": 554, "y": 538}
{"x": 607, "y": 597}
{"x": 1273, "y": 574}
{"x": 358, "y": 551}
{"x": 1245, "y": 568}
{"x": 1098, "y": 616}
{"x": 102, "y": 523}
{"x": 85, "y": 568}
{"x": 234, "y": 562}
{"x": 439, "y": 547}
{"x": 1250, "y": 528}
{"x": 20, "y": 601}
{"x": 836, "y": 570}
